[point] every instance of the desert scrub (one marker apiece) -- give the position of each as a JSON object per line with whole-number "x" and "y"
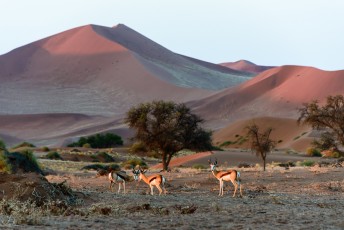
{"x": 45, "y": 149}
{"x": 53, "y": 156}
{"x": 313, "y": 152}
{"x": 131, "y": 163}
{"x": 306, "y": 163}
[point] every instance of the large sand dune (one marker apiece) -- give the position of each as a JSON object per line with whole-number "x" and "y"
{"x": 104, "y": 71}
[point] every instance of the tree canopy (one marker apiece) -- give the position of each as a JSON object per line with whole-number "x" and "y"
{"x": 330, "y": 116}
{"x": 168, "y": 127}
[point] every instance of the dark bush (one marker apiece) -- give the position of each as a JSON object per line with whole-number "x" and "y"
{"x": 108, "y": 140}
{"x": 53, "y": 156}
{"x": 23, "y": 161}
{"x": 106, "y": 157}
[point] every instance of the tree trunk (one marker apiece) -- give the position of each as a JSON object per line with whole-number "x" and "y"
{"x": 166, "y": 158}
{"x": 164, "y": 161}
{"x": 264, "y": 161}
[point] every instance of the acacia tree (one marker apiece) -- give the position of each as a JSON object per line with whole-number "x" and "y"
{"x": 329, "y": 116}
{"x": 168, "y": 127}
{"x": 261, "y": 143}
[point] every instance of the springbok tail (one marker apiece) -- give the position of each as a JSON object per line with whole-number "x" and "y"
{"x": 238, "y": 177}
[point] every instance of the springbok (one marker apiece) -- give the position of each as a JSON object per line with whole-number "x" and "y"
{"x": 153, "y": 180}
{"x": 119, "y": 177}
{"x": 226, "y": 175}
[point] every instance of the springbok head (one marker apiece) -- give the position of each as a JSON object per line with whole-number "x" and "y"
{"x": 137, "y": 173}
{"x": 212, "y": 164}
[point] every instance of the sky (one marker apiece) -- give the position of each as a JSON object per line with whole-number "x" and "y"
{"x": 266, "y": 32}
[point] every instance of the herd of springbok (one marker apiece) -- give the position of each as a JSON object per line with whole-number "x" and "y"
{"x": 159, "y": 181}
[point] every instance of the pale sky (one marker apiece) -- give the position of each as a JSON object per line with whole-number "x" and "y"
{"x": 266, "y": 32}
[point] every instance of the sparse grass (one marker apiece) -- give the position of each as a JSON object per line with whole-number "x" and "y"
{"x": 199, "y": 166}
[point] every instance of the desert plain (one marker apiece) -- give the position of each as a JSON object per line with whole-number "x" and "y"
{"x": 298, "y": 197}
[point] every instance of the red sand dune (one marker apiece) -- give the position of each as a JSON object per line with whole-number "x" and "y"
{"x": 101, "y": 70}
{"x": 247, "y": 66}
{"x": 277, "y": 92}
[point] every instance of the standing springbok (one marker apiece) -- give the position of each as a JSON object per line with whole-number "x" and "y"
{"x": 119, "y": 177}
{"x": 226, "y": 175}
{"x": 154, "y": 180}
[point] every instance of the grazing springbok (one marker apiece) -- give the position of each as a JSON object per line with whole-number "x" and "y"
{"x": 119, "y": 177}
{"x": 154, "y": 180}
{"x": 226, "y": 175}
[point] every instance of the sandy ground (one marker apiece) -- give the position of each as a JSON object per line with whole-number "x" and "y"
{"x": 297, "y": 198}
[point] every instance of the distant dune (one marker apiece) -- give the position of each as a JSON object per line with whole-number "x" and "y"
{"x": 246, "y": 66}
{"x": 277, "y": 92}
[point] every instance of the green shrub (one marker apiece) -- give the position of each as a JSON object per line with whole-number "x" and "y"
{"x": 307, "y": 163}
{"x": 53, "y": 156}
{"x": 313, "y": 152}
{"x": 23, "y": 161}
{"x": 30, "y": 157}
{"x": 24, "y": 144}
{"x": 131, "y": 163}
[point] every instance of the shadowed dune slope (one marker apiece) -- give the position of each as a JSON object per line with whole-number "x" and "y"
{"x": 246, "y": 66}
{"x": 101, "y": 70}
{"x": 277, "y": 92}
